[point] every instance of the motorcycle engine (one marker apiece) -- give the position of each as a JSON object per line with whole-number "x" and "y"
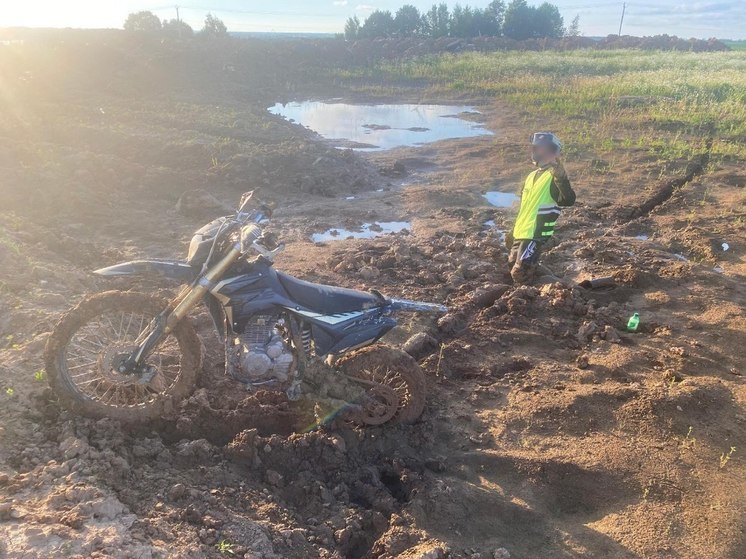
{"x": 263, "y": 354}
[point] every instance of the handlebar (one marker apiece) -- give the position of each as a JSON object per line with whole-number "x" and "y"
{"x": 251, "y": 230}
{"x": 250, "y": 234}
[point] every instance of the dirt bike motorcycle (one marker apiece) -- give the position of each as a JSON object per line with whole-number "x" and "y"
{"x": 134, "y": 356}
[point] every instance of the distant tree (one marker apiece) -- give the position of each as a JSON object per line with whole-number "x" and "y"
{"x": 177, "y": 28}
{"x": 548, "y": 21}
{"x": 378, "y": 24}
{"x": 495, "y": 11}
{"x": 143, "y": 22}
{"x": 527, "y": 22}
{"x": 352, "y": 28}
{"x": 518, "y": 20}
{"x": 437, "y": 20}
{"x": 485, "y": 23}
{"x": 574, "y": 29}
{"x": 214, "y": 27}
{"x": 472, "y": 22}
{"x": 408, "y": 21}
{"x": 457, "y": 22}
{"x": 460, "y": 24}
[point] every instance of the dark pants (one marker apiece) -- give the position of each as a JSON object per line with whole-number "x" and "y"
{"x": 524, "y": 259}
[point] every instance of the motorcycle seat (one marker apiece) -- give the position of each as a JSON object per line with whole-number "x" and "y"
{"x": 326, "y": 299}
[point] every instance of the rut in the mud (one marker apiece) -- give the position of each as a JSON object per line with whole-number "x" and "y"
{"x": 662, "y": 194}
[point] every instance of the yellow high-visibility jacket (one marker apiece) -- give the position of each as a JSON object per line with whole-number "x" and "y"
{"x": 542, "y": 198}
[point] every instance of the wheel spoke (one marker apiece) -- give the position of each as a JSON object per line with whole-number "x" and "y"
{"x": 81, "y": 365}
{"x": 121, "y": 325}
{"x": 103, "y": 396}
{"x": 123, "y": 335}
{"x": 88, "y": 382}
{"x": 93, "y": 346}
{"x": 84, "y": 350}
{"x": 86, "y": 374}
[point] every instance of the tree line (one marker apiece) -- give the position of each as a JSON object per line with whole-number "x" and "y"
{"x": 516, "y": 20}
{"x": 148, "y": 22}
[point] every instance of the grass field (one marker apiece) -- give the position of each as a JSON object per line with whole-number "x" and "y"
{"x": 736, "y": 45}
{"x": 669, "y": 102}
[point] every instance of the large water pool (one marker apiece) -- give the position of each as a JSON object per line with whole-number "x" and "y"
{"x": 380, "y": 127}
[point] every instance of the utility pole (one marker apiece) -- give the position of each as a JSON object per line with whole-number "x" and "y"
{"x": 624, "y": 7}
{"x": 178, "y": 20}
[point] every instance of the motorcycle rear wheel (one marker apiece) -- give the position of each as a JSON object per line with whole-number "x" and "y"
{"x": 394, "y": 371}
{"x": 82, "y": 352}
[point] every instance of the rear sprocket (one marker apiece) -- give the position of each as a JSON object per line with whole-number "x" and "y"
{"x": 385, "y": 371}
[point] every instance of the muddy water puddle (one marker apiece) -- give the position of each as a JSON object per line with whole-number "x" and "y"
{"x": 501, "y": 199}
{"x": 491, "y": 226}
{"x": 366, "y": 231}
{"x": 384, "y": 126}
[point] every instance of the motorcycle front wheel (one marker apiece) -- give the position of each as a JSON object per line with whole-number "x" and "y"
{"x": 82, "y": 353}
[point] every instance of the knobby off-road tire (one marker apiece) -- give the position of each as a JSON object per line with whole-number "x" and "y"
{"x": 392, "y": 367}
{"x": 81, "y": 337}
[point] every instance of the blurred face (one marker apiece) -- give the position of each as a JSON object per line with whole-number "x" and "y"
{"x": 541, "y": 155}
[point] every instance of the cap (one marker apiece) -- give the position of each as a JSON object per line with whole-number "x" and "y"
{"x": 546, "y": 139}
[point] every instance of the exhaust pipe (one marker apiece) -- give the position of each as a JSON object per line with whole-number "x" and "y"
{"x": 404, "y": 305}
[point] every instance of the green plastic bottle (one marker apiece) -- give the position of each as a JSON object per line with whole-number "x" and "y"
{"x": 633, "y": 323}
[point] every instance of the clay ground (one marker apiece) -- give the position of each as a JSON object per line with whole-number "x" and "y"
{"x": 549, "y": 431}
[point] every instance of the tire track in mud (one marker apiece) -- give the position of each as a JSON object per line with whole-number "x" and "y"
{"x": 662, "y": 194}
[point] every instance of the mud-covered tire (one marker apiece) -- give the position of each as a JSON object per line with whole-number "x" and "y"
{"x": 190, "y": 359}
{"x": 386, "y": 358}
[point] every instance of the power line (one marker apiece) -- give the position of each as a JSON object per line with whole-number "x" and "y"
{"x": 624, "y": 8}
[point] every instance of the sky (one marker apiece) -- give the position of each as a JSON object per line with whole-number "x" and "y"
{"x": 703, "y": 19}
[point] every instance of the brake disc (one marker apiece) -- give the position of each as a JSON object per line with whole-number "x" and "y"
{"x": 110, "y": 360}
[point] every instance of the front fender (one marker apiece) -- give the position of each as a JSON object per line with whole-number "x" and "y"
{"x": 152, "y": 269}
{"x": 176, "y": 270}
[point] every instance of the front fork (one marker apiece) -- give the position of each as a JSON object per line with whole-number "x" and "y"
{"x": 181, "y": 306}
